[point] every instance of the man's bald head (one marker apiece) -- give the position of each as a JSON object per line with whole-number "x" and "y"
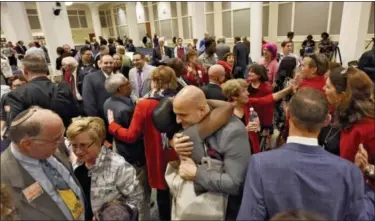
{"x": 190, "y": 106}
{"x": 216, "y": 74}
{"x": 32, "y": 122}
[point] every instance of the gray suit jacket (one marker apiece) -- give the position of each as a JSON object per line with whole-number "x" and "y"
{"x": 146, "y": 82}
{"x": 221, "y": 50}
{"x": 17, "y": 179}
{"x": 232, "y": 143}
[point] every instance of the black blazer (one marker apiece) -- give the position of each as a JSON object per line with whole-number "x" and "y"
{"x": 21, "y": 49}
{"x": 156, "y": 55}
{"x": 241, "y": 53}
{"x": 214, "y": 92}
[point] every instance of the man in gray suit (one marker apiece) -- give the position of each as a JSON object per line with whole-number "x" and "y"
{"x": 230, "y": 144}
{"x": 37, "y": 175}
{"x": 221, "y": 48}
{"x": 139, "y": 77}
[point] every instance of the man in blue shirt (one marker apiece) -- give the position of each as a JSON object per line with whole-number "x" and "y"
{"x": 202, "y": 43}
{"x": 301, "y": 174}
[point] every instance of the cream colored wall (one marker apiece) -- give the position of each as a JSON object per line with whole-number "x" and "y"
{"x": 78, "y": 34}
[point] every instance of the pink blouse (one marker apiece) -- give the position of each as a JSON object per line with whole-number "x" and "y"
{"x": 271, "y": 67}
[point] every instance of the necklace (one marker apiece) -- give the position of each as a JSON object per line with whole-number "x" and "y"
{"x": 329, "y": 136}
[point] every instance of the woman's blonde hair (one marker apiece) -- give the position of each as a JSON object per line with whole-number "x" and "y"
{"x": 120, "y": 50}
{"x": 93, "y": 125}
{"x": 232, "y": 88}
{"x": 164, "y": 77}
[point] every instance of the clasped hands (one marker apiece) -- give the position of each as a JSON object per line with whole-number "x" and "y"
{"x": 184, "y": 147}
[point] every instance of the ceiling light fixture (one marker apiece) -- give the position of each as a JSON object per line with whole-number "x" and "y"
{"x": 68, "y": 3}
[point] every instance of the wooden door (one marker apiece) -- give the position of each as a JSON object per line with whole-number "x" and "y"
{"x": 148, "y": 28}
{"x": 91, "y": 37}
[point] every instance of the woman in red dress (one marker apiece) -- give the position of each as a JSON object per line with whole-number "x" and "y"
{"x": 195, "y": 74}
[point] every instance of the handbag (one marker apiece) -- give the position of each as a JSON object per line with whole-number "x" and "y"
{"x": 186, "y": 204}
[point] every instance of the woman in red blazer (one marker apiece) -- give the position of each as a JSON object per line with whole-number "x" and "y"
{"x": 235, "y": 91}
{"x": 163, "y": 84}
{"x": 351, "y": 92}
{"x": 195, "y": 74}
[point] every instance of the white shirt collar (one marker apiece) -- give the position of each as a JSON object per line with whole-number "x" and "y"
{"x": 106, "y": 75}
{"x": 303, "y": 140}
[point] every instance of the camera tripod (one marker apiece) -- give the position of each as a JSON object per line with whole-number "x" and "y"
{"x": 335, "y": 52}
{"x": 373, "y": 43}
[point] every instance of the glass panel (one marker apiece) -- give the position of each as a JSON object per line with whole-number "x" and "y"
{"x": 226, "y": 5}
{"x": 155, "y": 10}
{"x": 241, "y": 22}
{"x": 173, "y": 9}
{"x": 336, "y": 17}
{"x": 227, "y": 24}
{"x": 184, "y": 8}
{"x": 210, "y": 27}
{"x": 166, "y": 29}
{"x": 109, "y": 20}
{"x": 371, "y": 22}
{"x": 316, "y": 21}
{"x": 147, "y": 17}
{"x": 141, "y": 30}
{"x": 284, "y": 19}
{"x": 111, "y": 32}
{"x": 209, "y": 6}
{"x": 31, "y": 11}
{"x": 72, "y": 12}
{"x": 175, "y": 27}
{"x": 83, "y": 21}
{"x": 191, "y": 27}
{"x": 265, "y": 3}
{"x": 103, "y": 21}
{"x": 265, "y": 20}
{"x": 101, "y": 13}
{"x": 121, "y": 17}
{"x": 81, "y": 12}
{"x": 144, "y": 3}
{"x": 157, "y": 28}
{"x": 34, "y": 22}
{"x": 73, "y": 21}
{"x": 185, "y": 26}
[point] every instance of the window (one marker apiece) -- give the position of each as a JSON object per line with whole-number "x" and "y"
{"x": 209, "y": 7}
{"x": 77, "y": 19}
{"x": 336, "y": 14}
{"x": 227, "y": 24}
{"x": 120, "y": 16}
{"x": 284, "y": 23}
{"x": 155, "y": 10}
{"x": 141, "y": 29}
{"x": 32, "y": 15}
{"x": 310, "y": 18}
{"x": 184, "y": 9}
{"x": 371, "y": 22}
{"x": 175, "y": 27}
{"x": 123, "y": 30}
{"x": 241, "y": 22}
{"x": 265, "y": 20}
{"x": 210, "y": 23}
{"x": 173, "y": 9}
{"x": 186, "y": 25}
{"x": 166, "y": 29}
{"x": 226, "y": 5}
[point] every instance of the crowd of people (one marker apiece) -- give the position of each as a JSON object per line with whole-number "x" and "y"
{"x": 213, "y": 133}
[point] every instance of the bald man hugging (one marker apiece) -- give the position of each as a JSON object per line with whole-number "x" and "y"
{"x": 230, "y": 144}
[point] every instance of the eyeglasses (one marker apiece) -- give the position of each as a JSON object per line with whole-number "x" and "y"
{"x": 81, "y": 146}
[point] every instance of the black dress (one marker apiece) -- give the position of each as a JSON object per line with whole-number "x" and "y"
{"x": 82, "y": 174}
{"x": 329, "y": 138}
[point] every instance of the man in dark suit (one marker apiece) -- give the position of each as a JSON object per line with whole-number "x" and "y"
{"x": 221, "y": 48}
{"x": 41, "y": 91}
{"x": 159, "y": 54}
{"x": 241, "y": 54}
{"x": 111, "y": 46}
{"x": 94, "y": 93}
{"x": 212, "y": 90}
{"x": 301, "y": 174}
{"x": 20, "y": 48}
{"x": 35, "y": 171}
{"x": 246, "y": 42}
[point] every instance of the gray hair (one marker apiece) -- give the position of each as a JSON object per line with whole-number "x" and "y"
{"x": 35, "y": 63}
{"x": 29, "y": 123}
{"x": 161, "y": 39}
{"x": 114, "y": 82}
{"x": 70, "y": 61}
{"x": 221, "y": 39}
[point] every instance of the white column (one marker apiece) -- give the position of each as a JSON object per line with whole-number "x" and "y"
{"x": 94, "y": 9}
{"x": 114, "y": 26}
{"x": 151, "y": 19}
{"x": 354, "y": 24}
{"x": 273, "y": 21}
{"x": 131, "y": 17}
{"x": 198, "y": 19}
{"x": 256, "y": 20}
{"x": 56, "y": 29}
{"x": 218, "y": 15}
{"x": 179, "y": 20}
{"x": 15, "y": 29}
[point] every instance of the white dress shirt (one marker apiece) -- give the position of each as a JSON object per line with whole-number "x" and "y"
{"x": 303, "y": 140}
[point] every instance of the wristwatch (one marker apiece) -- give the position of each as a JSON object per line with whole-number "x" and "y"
{"x": 370, "y": 171}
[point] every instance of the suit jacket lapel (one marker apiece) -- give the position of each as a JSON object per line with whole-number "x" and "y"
{"x": 21, "y": 179}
